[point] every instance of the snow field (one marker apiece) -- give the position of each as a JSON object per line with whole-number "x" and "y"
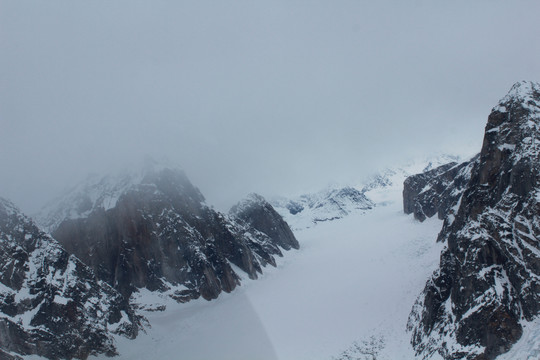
{"x": 352, "y": 278}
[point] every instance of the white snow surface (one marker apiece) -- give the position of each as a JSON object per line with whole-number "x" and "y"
{"x": 521, "y": 92}
{"x": 334, "y": 202}
{"x": 352, "y": 279}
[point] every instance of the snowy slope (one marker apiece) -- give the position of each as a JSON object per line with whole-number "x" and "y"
{"x": 352, "y": 278}
{"x": 329, "y": 204}
{"x": 338, "y": 201}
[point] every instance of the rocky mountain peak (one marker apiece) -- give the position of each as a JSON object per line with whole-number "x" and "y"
{"x": 329, "y": 204}
{"x": 511, "y": 144}
{"x": 250, "y": 201}
{"x": 521, "y": 94}
{"x": 488, "y": 282}
{"x": 257, "y": 213}
{"x": 152, "y": 229}
{"x": 104, "y": 192}
{"x": 51, "y": 304}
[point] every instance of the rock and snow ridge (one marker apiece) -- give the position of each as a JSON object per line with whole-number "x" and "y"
{"x": 500, "y": 274}
{"x": 352, "y": 278}
{"x": 326, "y": 205}
{"x": 437, "y": 191}
{"x": 486, "y": 293}
{"x": 152, "y": 229}
{"x": 99, "y": 192}
{"x": 51, "y": 304}
{"x": 338, "y": 201}
{"x": 142, "y": 237}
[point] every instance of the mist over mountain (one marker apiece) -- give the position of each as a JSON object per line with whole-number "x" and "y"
{"x": 272, "y": 98}
{"x": 145, "y": 245}
{"x": 340, "y": 195}
{"x": 148, "y": 230}
{"x": 151, "y": 228}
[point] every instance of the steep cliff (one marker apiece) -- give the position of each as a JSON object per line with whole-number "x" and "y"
{"x": 436, "y": 191}
{"x": 51, "y": 304}
{"x": 488, "y": 282}
{"x": 152, "y": 229}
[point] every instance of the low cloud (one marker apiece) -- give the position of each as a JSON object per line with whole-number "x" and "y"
{"x": 279, "y": 97}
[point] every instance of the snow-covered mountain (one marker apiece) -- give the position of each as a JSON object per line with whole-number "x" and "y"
{"x": 346, "y": 294}
{"x": 151, "y": 229}
{"x": 487, "y": 288}
{"x": 437, "y": 191}
{"x": 326, "y": 205}
{"x": 51, "y": 304}
{"x": 100, "y": 192}
{"x": 338, "y": 201}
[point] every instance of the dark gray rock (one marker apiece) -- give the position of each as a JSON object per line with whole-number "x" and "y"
{"x": 157, "y": 233}
{"x": 436, "y": 191}
{"x": 256, "y": 212}
{"x": 5, "y": 356}
{"x": 51, "y": 304}
{"x": 488, "y": 281}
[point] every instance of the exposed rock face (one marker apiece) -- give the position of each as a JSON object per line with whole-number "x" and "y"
{"x": 51, "y": 304}
{"x": 156, "y": 232}
{"x": 5, "y": 356}
{"x": 489, "y": 276}
{"x": 436, "y": 191}
{"x": 256, "y": 212}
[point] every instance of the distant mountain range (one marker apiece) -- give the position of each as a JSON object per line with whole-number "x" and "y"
{"x": 338, "y": 201}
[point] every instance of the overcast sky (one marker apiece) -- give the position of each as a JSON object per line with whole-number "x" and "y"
{"x": 276, "y": 97}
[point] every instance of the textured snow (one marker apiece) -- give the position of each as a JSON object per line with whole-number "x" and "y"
{"x": 528, "y": 347}
{"x": 332, "y": 203}
{"x": 338, "y": 201}
{"x": 60, "y": 300}
{"x": 521, "y": 92}
{"x": 510, "y": 147}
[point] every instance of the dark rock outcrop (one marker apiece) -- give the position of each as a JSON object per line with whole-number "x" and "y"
{"x": 414, "y": 185}
{"x": 156, "y": 232}
{"x": 5, "y": 356}
{"x": 51, "y": 304}
{"x": 488, "y": 281}
{"x": 436, "y": 191}
{"x": 256, "y": 212}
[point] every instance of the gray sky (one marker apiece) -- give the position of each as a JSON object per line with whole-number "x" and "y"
{"x": 265, "y": 96}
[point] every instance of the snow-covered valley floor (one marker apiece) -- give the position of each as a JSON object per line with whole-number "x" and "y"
{"x": 352, "y": 279}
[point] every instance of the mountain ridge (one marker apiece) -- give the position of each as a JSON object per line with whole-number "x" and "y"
{"x": 488, "y": 282}
{"x": 51, "y": 304}
{"x": 152, "y": 229}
